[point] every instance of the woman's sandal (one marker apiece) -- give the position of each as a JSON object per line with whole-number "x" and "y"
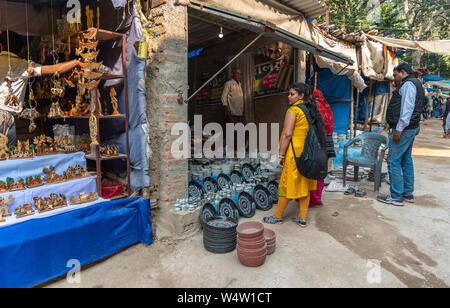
{"x": 300, "y": 222}
{"x": 272, "y": 220}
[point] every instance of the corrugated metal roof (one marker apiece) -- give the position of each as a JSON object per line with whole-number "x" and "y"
{"x": 309, "y": 8}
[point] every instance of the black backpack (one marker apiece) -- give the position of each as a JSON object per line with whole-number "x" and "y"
{"x": 313, "y": 163}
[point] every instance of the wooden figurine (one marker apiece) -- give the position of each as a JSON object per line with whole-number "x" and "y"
{"x": 3, "y": 147}
{"x": 23, "y": 211}
{"x": 34, "y": 182}
{"x": 84, "y": 198}
{"x": 4, "y": 210}
{"x": 22, "y": 151}
{"x": 3, "y": 187}
{"x": 51, "y": 177}
{"x": 54, "y": 201}
{"x": 20, "y": 185}
{"x": 113, "y": 96}
{"x": 93, "y": 130}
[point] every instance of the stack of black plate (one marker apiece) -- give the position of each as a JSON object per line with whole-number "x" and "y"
{"x": 219, "y": 234}
{"x": 273, "y": 189}
{"x": 246, "y": 205}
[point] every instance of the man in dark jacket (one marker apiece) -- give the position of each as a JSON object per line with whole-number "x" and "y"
{"x": 403, "y": 117}
{"x": 446, "y": 112}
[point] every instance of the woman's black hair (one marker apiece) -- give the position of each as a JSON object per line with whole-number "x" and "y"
{"x": 314, "y": 112}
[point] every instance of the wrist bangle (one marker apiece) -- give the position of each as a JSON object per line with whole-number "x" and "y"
{"x": 281, "y": 156}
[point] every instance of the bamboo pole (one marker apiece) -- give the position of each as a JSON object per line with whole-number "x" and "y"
{"x": 352, "y": 104}
{"x": 366, "y": 121}
{"x": 373, "y": 104}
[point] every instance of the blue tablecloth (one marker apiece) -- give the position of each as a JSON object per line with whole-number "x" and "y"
{"x": 38, "y": 250}
{"x": 21, "y": 168}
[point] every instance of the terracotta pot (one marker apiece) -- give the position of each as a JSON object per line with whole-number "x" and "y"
{"x": 252, "y": 251}
{"x": 269, "y": 234}
{"x": 251, "y": 245}
{"x": 250, "y": 229}
{"x": 251, "y": 239}
{"x": 252, "y": 262}
{"x": 272, "y": 242}
{"x": 270, "y": 249}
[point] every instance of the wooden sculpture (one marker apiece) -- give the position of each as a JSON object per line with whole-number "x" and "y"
{"x": 113, "y": 95}
{"x": 93, "y": 130}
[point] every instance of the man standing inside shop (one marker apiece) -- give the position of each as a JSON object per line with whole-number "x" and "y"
{"x": 19, "y": 72}
{"x": 233, "y": 98}
{"x": 403, "y": 117}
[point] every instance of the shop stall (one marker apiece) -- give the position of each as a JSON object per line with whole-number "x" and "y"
{"x": 55, "y": 202}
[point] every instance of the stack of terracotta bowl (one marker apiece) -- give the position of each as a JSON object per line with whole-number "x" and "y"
{"x": 251, "y": 244}
{"x": 270, "y": 237}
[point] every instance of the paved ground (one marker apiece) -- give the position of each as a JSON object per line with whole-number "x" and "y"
{"x": 411, "y": 244}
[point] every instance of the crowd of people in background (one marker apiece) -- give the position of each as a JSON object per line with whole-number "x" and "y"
{"x": 439, "y": 108}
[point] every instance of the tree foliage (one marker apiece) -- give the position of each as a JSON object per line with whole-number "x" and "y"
{"x": 404, "y": 19}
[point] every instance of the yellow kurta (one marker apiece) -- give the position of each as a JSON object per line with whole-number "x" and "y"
{"x": 293, "y": 185}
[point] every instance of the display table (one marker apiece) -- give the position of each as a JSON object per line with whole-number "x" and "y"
{"x": 37, "y": 250}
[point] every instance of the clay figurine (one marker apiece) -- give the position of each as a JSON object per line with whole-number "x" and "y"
{"x": 3, "y": 187}
{"x": 3, "y": 147}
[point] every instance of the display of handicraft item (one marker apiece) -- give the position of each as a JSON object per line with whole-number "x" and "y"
{"x": 45, "y": 145}
{"x": 34, "y": 182}
{"x": 77, "y": 172}
{"x": 51, "y": 177}
{"x": 20, "y": 185}
{"x": 4, "y": 209}
{"x": 84, "y": 198}
{"x": 3, "y": 147}
{"x": 89, "y": 73}
{"x": 23, "y": 150}
{"x": 23, "y": 211}
{"x": 83, "y": 146}
{"x": 109, "y": 150}
{"x": 51, "y": 203}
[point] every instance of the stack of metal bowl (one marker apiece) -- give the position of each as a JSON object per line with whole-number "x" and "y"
{"x": 219, "y": 234}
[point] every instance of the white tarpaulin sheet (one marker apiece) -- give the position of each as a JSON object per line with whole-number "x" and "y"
{"x": 377, "y": 62}
{"x": 440, "y": 47}
{"x": 297, "y": 24}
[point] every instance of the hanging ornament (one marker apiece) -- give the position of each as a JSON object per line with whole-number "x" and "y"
{"x": 55, "y": 111}
{"x": 11, "y": 100}
{"x": 30, "y": 113}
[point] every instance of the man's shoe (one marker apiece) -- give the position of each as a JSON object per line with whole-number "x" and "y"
{"x": 390, "y": 200}
{"x": 408, "y": 198}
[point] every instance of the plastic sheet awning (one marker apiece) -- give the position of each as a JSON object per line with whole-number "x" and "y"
{"x": 217, "y": 14}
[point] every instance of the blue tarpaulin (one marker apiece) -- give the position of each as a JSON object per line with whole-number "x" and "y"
{"x": 336, "y": 90}
{"x": 430, "y": 77}
{"x": 38, "y": 250}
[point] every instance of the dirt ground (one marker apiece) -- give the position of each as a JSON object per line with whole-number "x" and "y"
{"x": 343, "y": 241}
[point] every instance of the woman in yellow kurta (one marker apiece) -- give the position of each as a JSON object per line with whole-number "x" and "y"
{"x": 293, "y": 185}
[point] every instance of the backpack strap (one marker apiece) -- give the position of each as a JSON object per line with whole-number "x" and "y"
{"x": 308, "y": 117}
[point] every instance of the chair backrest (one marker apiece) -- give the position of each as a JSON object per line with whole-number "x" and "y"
{"x": 371, "y": 143}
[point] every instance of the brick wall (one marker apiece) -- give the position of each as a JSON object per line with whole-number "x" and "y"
{"x": 166, "y": 92}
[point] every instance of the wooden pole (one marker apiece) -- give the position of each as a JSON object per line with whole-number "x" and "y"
{"x": 357, "y": 111}
{"x": 373, "y": 104}
{"x": 366, "y": 121}
{"x": 352, "y": 114}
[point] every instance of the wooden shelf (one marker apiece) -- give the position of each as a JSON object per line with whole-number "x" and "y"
{"x": 121, "y": 156}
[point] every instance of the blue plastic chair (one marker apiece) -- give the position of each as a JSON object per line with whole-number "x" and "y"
{"x": 370, "y": 156}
